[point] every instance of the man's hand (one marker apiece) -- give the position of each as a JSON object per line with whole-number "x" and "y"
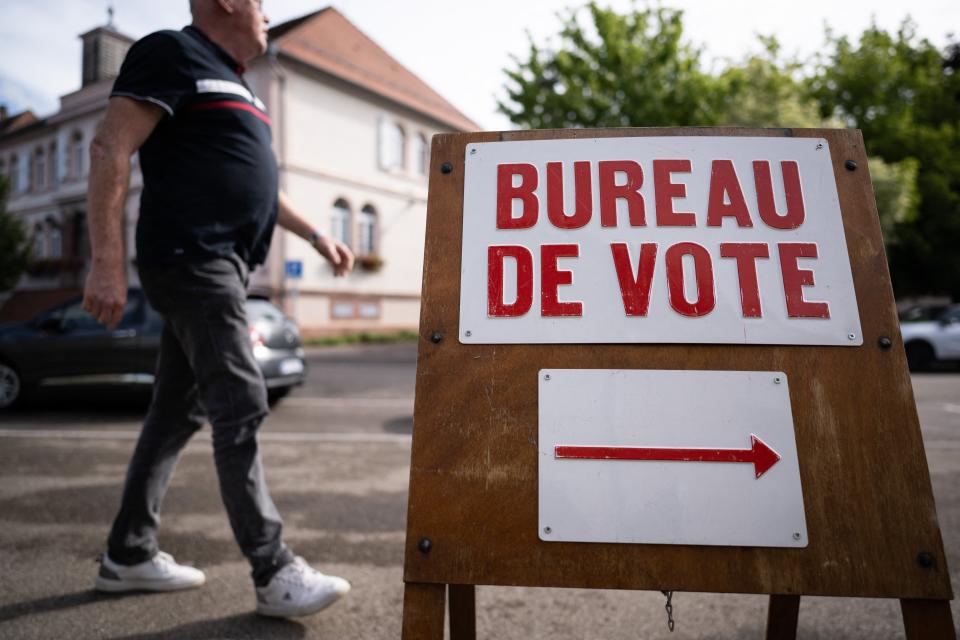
{"x": 105, "y": 294}
{"x": 337, "y": 253}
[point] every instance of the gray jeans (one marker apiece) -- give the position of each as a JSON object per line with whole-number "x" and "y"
{"x": 205, "y": 371}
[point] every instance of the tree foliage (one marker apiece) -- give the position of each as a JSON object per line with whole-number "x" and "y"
{"x": 14, "y": 244}
{"x": 608, "y": 69}
{"x": 904, "y": 94}
{"x": 629, "y": 69}
{"x": 766, "y": 90}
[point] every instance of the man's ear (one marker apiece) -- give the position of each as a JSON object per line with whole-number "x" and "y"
{"x": 229, "y": 6}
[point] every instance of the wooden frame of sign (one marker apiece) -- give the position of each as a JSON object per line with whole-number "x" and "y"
{"x": 472, "y": 516}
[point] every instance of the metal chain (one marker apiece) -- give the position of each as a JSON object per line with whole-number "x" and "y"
{"x": 669, "y": 608}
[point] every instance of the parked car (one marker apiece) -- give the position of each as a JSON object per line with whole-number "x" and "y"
{"x": 64, "y": 345}
{"x": 931, "y": 337}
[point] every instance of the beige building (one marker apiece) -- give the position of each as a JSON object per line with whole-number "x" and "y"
{"x": 352, "y": 130}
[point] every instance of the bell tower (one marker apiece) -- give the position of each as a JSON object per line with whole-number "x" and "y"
{"x": 104, "y": 49}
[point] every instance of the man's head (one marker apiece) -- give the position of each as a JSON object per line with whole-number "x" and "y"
{"x": 239, "y": 26}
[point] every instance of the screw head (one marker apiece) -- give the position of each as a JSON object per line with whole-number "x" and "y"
{"x": 546, "y": 376}
{"x": 473, "y": 151}
{"x": 777, "y": 380}
{"x": 884, "y": 342}
{"x": 925, "y": 559}
{"x": 851, "y": 336}
{"x": 436, "y": 337}
{"x": 446, "y": 167}
{"x": 468, "y": 333}
{"x": 850, "y": 165}
{"x": 424, "y": 545}
{"x": 796, "y": 535}
{"x": 547, "y": 530}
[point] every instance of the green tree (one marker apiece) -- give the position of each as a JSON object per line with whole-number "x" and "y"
{"x": 765, "y": 90}
{"x": 898, "y": 198}
{"x": 904, "y": 94}
{"x": 14, "y": 244}
{"x": 623, "y": 70}
{"x": 636, "y": 69}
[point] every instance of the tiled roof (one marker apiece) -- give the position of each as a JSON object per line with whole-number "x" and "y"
{"x": 17, "y": 122}
{"x": 327, "y": 41}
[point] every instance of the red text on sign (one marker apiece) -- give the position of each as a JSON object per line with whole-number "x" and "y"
{"x": 520, "y": 181}
{"x": 703, "y": 268}
{"x": 552, "y": 277}
{"x": 746, "y": 254}
{"x": 795, "y": 279}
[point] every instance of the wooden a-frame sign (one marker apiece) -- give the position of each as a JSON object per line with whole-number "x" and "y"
{"x": 867, "y": 502}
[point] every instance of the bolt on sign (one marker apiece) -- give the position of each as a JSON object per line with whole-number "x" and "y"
{"x": 662, "y": 239}
{"x": 677, "y": 367}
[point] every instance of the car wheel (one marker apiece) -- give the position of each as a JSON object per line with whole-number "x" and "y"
{"x": 11, "y": 389}
{"x": 919, "y": 356}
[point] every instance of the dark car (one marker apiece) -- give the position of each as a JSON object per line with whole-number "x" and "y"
{"x": 66, "y": 346}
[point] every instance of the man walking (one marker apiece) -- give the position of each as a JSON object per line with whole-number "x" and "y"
{"x": 209, "y": 205}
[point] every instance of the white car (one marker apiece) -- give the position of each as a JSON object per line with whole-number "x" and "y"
{"x": 931, "y": 339}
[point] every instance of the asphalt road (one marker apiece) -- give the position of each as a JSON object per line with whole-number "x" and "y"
{"x": 337, "y": 459}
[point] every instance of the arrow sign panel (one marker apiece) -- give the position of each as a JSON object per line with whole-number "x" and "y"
{"x": 759, "y": 454}
{"x": 618, "y": 450}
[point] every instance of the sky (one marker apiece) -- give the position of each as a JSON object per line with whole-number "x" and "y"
{"x": 459, "y": 48}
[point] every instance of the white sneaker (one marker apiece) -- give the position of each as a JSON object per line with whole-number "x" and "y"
{"x": 299, "y": 590}
{"x": 160, "y": 573}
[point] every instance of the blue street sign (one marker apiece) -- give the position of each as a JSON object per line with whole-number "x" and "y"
{"x": 294, "y": 269}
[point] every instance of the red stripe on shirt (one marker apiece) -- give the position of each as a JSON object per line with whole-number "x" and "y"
{"x": 232, "y": 104}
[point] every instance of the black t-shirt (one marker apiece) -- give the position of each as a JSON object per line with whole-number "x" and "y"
{"x": 209, "y": 172}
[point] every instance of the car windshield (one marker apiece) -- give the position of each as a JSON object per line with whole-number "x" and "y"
{"x": 72, "y": 317}
{"x": 263, "y": 310}
{"x": 922, "y": 313}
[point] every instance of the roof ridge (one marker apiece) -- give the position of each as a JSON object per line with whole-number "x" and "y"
{"x": 402, "y": 66}
{"x": 286, "y": 27}
{"x": 368, "y": 72}
{"x": 406, "y": 87}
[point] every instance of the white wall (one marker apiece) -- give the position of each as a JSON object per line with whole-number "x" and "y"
{"x": 329, "y": 151}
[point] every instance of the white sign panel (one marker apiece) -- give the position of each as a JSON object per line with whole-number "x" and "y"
{"x": 625, "y": 456}
{"x": 671, "y": 239}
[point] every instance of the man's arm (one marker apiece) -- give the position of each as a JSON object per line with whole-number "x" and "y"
{"x": 337, "y": 253}
{"x": 127, "y": 125}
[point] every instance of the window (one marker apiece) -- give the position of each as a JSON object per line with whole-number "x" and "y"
{"x": 54, "y": 240}
{"x": 393, "y": 143}
{"x": 74, "y": 318}
{"x": 340, "y": 221}
{"x": 369, "y": 310}
{"x": 367, "y": 230}
{"x": 76, "y": 156}
{"x": 39, "y": 170}
{"x": 54, "y": 165}
{"x": 39, "y": 243}
{"x": 352, "y": 309}
{"x": 18, "y": 177}
{"x": 342, "y": 310}
{"x": 23, "y": 175}
{"x": 421, "y": 154}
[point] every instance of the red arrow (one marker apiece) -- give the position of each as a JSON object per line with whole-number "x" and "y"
{"x": 762, "y": 456}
